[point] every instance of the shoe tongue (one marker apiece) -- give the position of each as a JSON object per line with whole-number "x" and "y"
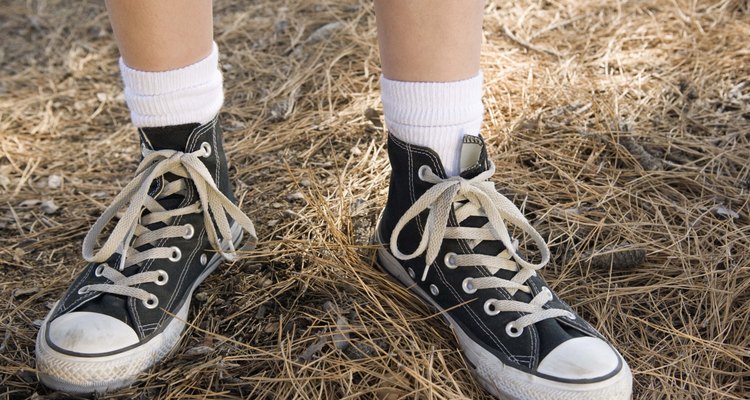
{"x": 167, "y": 137}
{"x": 173, "y": 137}
{"x": 474, "y": 158}
{"x": 473, "y": 162}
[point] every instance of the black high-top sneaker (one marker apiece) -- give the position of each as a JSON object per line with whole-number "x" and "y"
{"x": 447, "y": 240}
{"x": 128, "y": 307}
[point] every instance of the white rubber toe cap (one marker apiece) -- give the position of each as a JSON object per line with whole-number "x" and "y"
{"x": 90, "y": 333}
{"x": 580, "y": 358}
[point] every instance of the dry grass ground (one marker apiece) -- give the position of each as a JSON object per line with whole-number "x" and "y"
{"x": 622, "y": 128}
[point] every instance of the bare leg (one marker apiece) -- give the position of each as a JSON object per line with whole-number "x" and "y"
{"x": 429, "y": 40}
{"x": 162, "y": 35}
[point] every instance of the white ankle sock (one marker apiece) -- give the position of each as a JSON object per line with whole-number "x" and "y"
{"x": 181, "y": 96}
{"x": 434, "y": 114}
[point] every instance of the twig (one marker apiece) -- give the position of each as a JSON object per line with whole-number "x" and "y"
{"x": 529, "y": 46}
{"x": 557, "y": 25}
{"x": 647, "y": 161}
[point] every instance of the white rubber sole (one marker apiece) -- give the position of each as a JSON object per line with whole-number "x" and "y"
{"x": 84, "y": 375}
{"x": 508, "y": 383}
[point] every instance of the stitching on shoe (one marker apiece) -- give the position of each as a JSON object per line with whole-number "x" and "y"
{"x": 200, "y": 130}
{"x": 533, "y": 330}
{"x": 194, "y": 135}
{"x": 472, "y": 139}
{"x": 582, "y": 326}
{"x": 63, "y": 308}
{"x": 82, "y": 297}
{"x": 216, "y": 149}
{"x": 411, "y": 179}
{"x": 145, "y": 138}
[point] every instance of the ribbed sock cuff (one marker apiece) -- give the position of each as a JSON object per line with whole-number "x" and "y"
{"x": 192, "y": 94}
{"x": 434, "y": 114}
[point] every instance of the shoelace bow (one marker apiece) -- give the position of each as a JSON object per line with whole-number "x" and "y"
{"x": 482, "y": 199}
{"x": 131, "y": 232}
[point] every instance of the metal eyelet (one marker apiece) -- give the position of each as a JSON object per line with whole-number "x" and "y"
{"x": 83, "y": 290}
{"x": 190, "y": 231}
{"x": 490, "y": 308}
{"x": 163, "y": 277}
{"x": 450, "y": 260}
{"x": 468, "y": 286}
{"x": 176, "y": 254}
{"x": 152, "y": 302}
{"x": 434, "y": 290}
{"x": 513, "y": 331}
{"x": 99, "y": 271}
{"x": 206, "y": 148}
{"x": 422, "y": 171}
{"x": 204, "y": 259}
{"x": 411, "y": 273}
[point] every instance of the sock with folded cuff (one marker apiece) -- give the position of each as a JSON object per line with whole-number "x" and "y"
{"x": 192, "y": 94}
{"x": 434, "y": 114}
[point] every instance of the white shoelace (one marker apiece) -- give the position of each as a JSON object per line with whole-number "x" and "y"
{"x": 131, "y": 232}
{"x": 481, "y": 199}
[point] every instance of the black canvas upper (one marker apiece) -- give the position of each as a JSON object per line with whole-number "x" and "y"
{"x": 183, "y": 273}
{"x": 523, "y": 352}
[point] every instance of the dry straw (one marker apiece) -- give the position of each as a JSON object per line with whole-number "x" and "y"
{"x": 622, "y": 128}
